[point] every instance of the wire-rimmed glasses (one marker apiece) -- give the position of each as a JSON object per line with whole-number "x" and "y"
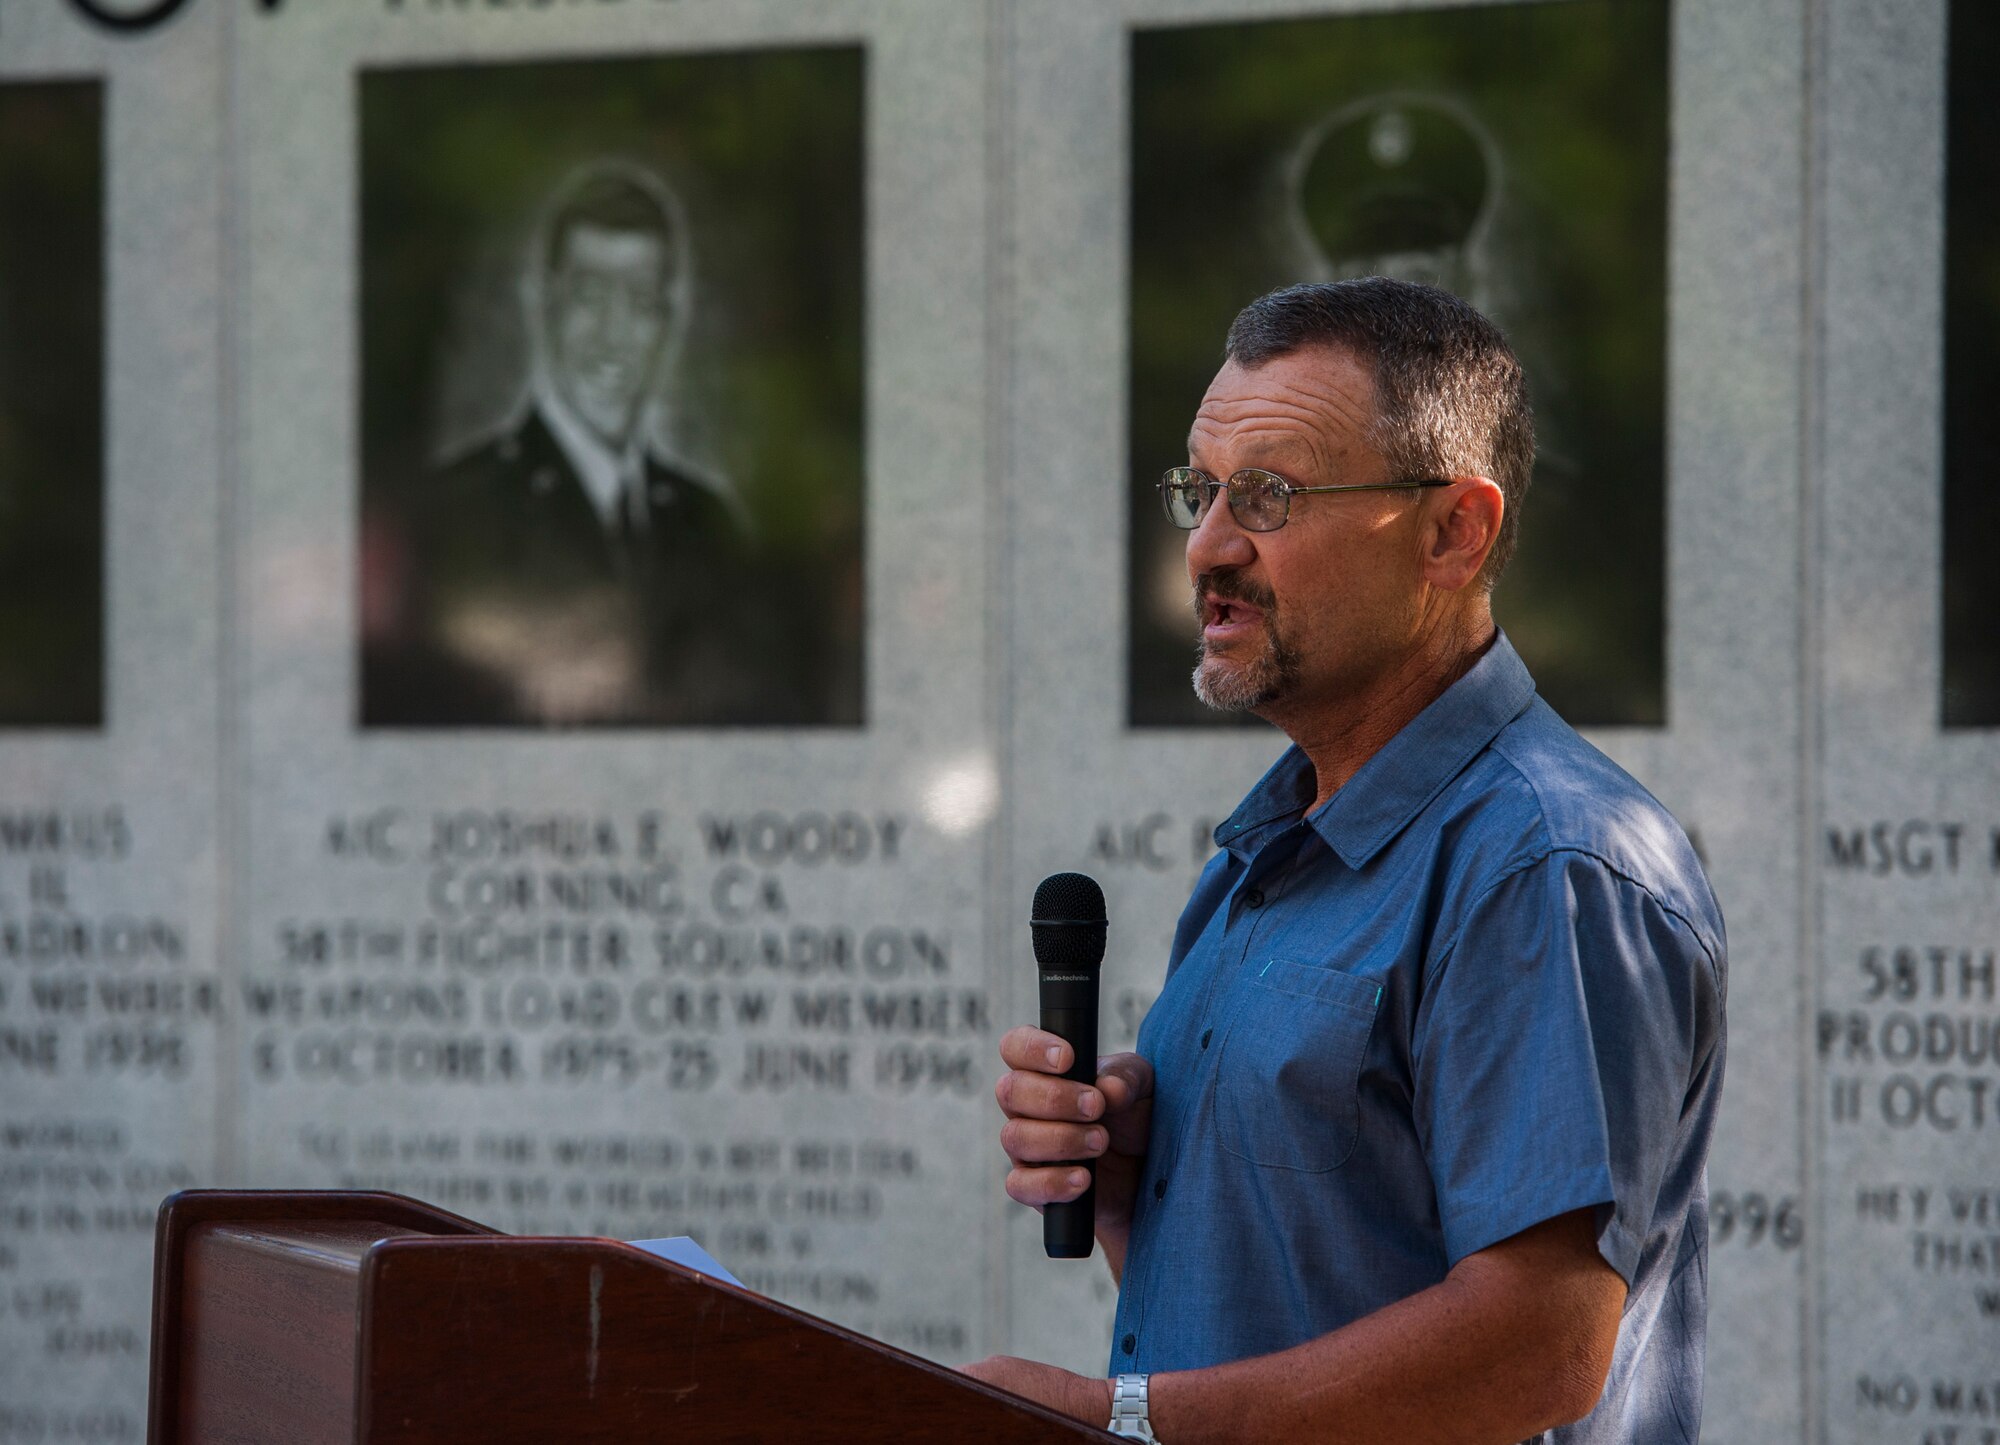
{"x": 1260, "y": 501}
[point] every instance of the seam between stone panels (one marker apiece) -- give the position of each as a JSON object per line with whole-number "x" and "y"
{"x": 1814, "y": 50}
{"x": 999, "y": 551}
{"x": 229, "y": 765}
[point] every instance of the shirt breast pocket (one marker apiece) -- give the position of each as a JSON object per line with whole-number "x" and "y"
{"x": 1287, "y": 1091}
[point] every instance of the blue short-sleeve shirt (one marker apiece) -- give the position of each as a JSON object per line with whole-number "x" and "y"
{"x": 1481, "y": 987}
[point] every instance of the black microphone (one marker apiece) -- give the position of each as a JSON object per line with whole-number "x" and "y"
{"x": 1068, "y": 924}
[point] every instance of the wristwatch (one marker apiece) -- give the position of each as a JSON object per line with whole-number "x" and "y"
{"x": 1128, "y": 1409}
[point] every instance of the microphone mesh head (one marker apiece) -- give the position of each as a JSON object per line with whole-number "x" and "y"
{"x": 1069, "y": 898}
{"x": 1068, "y": 922}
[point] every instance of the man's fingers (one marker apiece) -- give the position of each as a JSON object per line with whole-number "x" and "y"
{"x": 1035, "y": 1141}
{"x": 1035, "y": 1049}
{"x": 1125, "y": 1079}
{"x": 1037, "y": 1187}
{"x": 1024, "y": 1095}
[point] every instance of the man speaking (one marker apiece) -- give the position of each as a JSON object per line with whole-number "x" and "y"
{"x": 1413, "y": 1147}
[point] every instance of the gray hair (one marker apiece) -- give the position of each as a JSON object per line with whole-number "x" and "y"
{"x": 1450, "y": 396}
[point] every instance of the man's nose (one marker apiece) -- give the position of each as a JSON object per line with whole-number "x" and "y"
{"x": 1217, "y": 542}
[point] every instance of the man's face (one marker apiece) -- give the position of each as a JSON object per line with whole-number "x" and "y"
{"x": 1310, "y": 613}
{"x": 607, "y": 316}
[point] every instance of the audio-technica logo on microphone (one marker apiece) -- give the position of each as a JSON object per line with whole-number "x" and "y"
{"x": 1068, "y": 977}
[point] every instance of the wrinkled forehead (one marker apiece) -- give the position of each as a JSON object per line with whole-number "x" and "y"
{"x": 1313, "y": 407}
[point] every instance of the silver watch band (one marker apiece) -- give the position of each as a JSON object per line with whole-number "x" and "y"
{"x": 1128, "y": 1409}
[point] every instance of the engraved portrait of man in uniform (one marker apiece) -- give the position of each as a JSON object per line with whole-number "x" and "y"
{"x": 554, "y": 532}
{"x": 556, "y": 565}
{"x": 606, "y": 296}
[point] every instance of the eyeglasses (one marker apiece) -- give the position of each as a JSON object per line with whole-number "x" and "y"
{"x": 1260, "y": 501}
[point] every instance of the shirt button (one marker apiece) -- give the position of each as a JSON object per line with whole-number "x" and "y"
{"x": 1159, "y": 1189}
{"x": 1252, "y": 898}
{"x": 1130, "y": 1343}
{"x": 1206, "y": 1035}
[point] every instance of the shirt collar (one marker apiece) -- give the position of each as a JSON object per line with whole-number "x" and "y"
{"x": 1412, "y": 768}
{"x": 603, "y": 474}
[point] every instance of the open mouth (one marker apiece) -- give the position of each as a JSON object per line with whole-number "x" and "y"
{"x": 1226, "y": 618}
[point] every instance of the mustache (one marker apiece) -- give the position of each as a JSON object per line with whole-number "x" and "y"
{"x": 1232, "y": 587}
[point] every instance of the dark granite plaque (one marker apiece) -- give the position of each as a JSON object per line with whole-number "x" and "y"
{"x": 1971, "y": 366}
{"x": 51, "y": 404}
{"x": 611, "y": 403}
{"x": 1513, "y": 154}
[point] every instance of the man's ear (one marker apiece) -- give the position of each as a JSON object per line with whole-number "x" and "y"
{"x": 1464, "y": 525}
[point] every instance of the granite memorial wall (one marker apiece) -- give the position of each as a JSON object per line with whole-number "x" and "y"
{"x": 568, "y": 567}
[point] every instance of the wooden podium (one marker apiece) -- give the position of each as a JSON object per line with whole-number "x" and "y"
{"x": 370, "y": 1319}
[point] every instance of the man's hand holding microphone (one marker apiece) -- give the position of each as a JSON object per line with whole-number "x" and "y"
{"x": 1077, "y": 1125}
{"x": 1070, "y": 1114}
{"x": 1053, "y": 1120}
